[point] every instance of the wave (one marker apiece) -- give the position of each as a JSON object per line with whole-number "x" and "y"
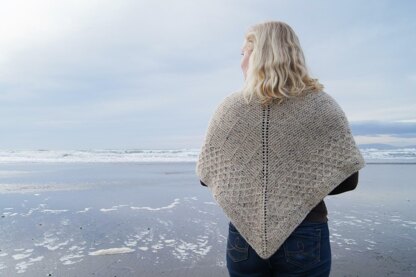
{"x": 99, "y": 155}
{"x": 371, "y": 155}
{"x": 393, "y": 155}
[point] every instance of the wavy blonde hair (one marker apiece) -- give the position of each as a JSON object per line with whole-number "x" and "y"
{"x": 277, "y": 68}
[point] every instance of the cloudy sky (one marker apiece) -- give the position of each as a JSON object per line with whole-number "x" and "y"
{"x": 84, "y": 74}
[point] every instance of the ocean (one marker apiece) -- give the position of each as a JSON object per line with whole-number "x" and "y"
{"x": 370, "y": 154}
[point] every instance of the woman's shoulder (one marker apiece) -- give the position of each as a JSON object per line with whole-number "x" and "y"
{"x": 232, "y": 99}
{"x": 322, "y": 101}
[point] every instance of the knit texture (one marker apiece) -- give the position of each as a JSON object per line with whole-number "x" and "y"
{"x": 268, "y": 167}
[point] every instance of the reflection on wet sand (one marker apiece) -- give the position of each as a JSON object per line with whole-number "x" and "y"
{"x": 149, "y": 223}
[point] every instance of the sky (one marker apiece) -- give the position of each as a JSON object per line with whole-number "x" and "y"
{"x": 148, "y": 74}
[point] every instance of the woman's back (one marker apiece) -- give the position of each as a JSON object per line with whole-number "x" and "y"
{"x": 275, "y": 149}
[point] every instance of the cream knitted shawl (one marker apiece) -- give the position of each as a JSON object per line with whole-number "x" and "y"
{"x": 268, "y": 167}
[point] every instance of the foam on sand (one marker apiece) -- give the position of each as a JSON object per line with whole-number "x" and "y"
{"x": 170, "y": 206}
{"x": 111, "y": 251}
{"x": 31, "y": 188}
{"x": 114, "y": 208}
{"x": 50, "y": 241}
{"x": 49, "y": 211}
{"x": 22, "y": 266}
{"x": 84, "y": 210}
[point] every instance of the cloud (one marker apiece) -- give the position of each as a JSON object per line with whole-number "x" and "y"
{"x": 404, "y": 129}
{"x": 133, "y": 73}
{"x": 412, "y": 77}
{"x": 385, "y": 139}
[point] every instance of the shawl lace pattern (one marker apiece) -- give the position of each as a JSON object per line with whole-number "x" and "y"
{"x": 268, "y": 167}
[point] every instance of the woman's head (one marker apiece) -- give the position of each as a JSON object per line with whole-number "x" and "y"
{"x": 273, "y": 63}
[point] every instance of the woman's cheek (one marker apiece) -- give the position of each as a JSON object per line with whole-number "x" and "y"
{"x": 244, "y": 63}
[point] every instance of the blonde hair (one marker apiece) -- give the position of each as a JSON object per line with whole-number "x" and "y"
{"x": 277, "y": 68}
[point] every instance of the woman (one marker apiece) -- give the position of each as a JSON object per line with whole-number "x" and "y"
{"x": 271, "y": 153}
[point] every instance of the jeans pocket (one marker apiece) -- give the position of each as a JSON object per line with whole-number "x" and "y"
{"x": 237, "y": 246}
{"x": 302, "y": 248}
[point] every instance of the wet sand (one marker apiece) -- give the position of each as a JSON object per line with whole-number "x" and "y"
{"x": 155, "y": 219}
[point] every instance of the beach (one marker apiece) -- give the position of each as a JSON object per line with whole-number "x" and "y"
{"x": 155, "y": 219}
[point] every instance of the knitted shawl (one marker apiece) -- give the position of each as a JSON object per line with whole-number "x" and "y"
{"x": 268, "y": 167}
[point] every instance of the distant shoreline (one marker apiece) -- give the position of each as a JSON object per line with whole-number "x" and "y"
{"x": 156, "y": 162}
{"x": 371, "y": 156}
{"x": 390, "y": 162}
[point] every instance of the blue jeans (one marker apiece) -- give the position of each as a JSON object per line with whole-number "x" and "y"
{"x": 306, "y": 252}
